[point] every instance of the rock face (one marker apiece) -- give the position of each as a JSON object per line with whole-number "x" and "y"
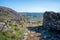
{"x": 3, "y": 27}
{"x": 51, "y": 20}
{"x": 51, "y": 26}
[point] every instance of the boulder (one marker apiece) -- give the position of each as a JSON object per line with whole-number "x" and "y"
{"x": 51, "y": 20}
{"x": 3, "y": 27}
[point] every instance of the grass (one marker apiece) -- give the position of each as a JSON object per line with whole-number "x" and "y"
{"x": 14, "y": 33}
{"x": 10, "y": 36}
{"x": 32, "y": 25}
{"x": 2, "y": 37}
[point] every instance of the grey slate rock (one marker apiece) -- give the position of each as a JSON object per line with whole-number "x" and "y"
{"x": 3, "y": 27}
{"x": 51, "y": 26}
{"x": 51, "y": 20}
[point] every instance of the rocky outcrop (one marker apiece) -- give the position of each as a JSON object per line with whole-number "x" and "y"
{"x": 51, "y": 20}
{"x": 51, "y": 26}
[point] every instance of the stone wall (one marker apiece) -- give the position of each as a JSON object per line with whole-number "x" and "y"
{"x": 51, "y": 20}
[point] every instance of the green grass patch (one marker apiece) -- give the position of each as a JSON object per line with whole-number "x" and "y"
{"x": 14, "y": 33}
{"x": 2, "y": 37}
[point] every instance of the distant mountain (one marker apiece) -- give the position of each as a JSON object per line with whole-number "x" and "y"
{"x": 7, "y": 13}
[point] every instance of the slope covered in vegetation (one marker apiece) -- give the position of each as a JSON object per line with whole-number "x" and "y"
{"x": 12, "y": 23}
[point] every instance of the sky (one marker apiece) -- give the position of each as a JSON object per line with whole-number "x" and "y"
{"x": 32, "y": 5}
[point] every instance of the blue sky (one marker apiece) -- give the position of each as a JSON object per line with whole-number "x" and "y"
{"x": 32, "y": 5}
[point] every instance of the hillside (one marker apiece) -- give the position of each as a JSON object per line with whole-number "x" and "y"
{"x": 7, "y": 13}
{"x": 11, "y": 27}
{"x": 13, "y": 24}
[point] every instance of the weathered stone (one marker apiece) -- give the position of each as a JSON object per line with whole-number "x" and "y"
{"x": 3, "y": 27}
{"x": 51, "y": 26}
{"x": 26, "y": 34}
{"x": 51, "y": 20}
{"x": 19, "y": 26}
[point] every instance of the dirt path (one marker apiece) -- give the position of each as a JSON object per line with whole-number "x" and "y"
{"x": 31, "y": 35}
